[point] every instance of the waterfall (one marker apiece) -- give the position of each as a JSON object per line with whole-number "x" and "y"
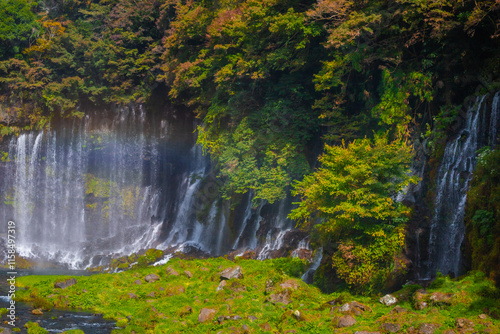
{"x": 119, "y": 182}
{"x": 459, "y": 160}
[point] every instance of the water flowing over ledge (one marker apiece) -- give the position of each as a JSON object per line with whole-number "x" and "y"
{"x": 123, "y": 181}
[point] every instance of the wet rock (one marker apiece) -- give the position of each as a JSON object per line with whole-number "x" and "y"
{"x": 464, "y": 323}
{"x": 172, "y": 272}
{"x": 37, "y": 311}
{"x": 4, "y": 330}
{"x": 388, "y": 300}
{"x": 441, "y": 298}
{"x": 427, "y": 328}
{"x": 151, "y": 278}
{"x": 289, "y": 284}
{"x": 346, "y": 321}
{"x": 280, "y": 297}
{"x": 230, "y": 273}
{"x": 391, "y": 328}
{"x": 188, "y": 274}
{"x": 398, "y": 310}
{"x": 132, "y": 295}
{"x": 65, "y": 284}
{"x": 138, "y": 282}
{"x": 221, "y": 286}
{"x": 206, "y": 314}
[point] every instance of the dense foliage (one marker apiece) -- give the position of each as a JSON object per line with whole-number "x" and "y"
{"x": 273, "y": 81}
{"x": 351, "y": 201}
{"x": 483, "y": 220}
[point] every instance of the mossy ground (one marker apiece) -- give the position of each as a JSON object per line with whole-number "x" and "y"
{"x": 172, "y": 304}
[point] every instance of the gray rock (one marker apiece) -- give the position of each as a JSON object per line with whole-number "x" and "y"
{"x": 221, "y": 286}
{"x": 206, "y": 314}
{"x": 151, "y": 278}
{"x": 65, "y": 284}
{"x": 132, "y": 295}
{"x": 391, "y": 328}
{"x": 427, "y": 328}
{"x": 138, "y": 282}
{"x": 230, "y": 273}
{"x": 346, "y": 321}
{"x": 172, "y": 272}
{"x": 464, "y": 323}
{"x": 398, "y": 310}
{"x": 280, "y": 297}
{"x": 388, "y": 300}
{"x": 4, "y": 330}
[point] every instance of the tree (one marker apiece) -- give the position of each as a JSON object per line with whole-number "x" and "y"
{"x": 18, "y": 27}
{"x": 351, "y": 200}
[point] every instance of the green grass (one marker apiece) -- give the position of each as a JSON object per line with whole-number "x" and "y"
{"x": 177, "y": 300}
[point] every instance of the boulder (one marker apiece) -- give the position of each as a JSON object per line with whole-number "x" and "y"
{"x": 419, "y": 297}
{"x": 388, "y": 300}
{"x": 398, "y": 310}
{"x": 482, "y": 316}
{"x": 464, "y": 323}
{"x": 230, "y": 273}
{"x": 152, "y": 294}
{"x": 265, "y": 327}
{"x": 391, "y": 327}
{"x": 188, "y": 274}
{"x": 138, "y": 282}
{"x": 206, "y": 314}
{"x": 346, "y": 321}
{"x": 4, "y": 330}
{"x": 441, "y": 298}
{"x": 37, "y": 311}
{"x": 151, "y": 278}
{"x": 280, "y": 297}
{"x": 132, "y": 295}
{"x": 353, "y": 308}
{"x": 221, "y": 286}
{"x": 289, "y": 284}
{"x": 427, "y": 328}
{"x": 65, "y": 284}
{"x": 172, "y": 272}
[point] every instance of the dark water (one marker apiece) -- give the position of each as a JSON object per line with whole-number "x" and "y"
{"x": 55, "y": 321}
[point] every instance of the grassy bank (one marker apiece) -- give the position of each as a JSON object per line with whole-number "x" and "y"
{"x": 269, "y": 297}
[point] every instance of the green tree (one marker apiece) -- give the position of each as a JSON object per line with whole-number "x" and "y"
{"x": 350, "y": 200}
{"x": 18, "y": 27}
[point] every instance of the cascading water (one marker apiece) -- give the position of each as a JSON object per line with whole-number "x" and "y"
{"x": 459, "y": 160}
{"x": 119, "y": 182}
